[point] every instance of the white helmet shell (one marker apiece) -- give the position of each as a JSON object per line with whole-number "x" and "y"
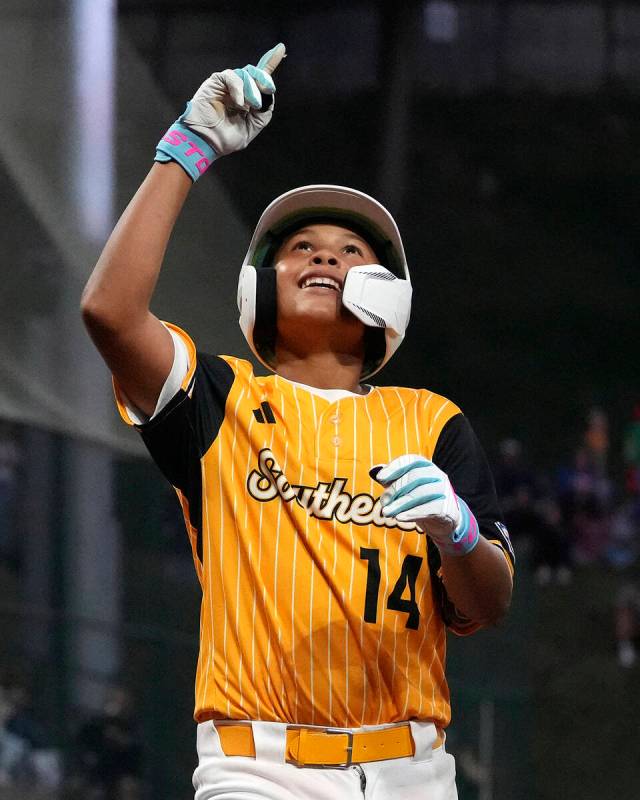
{"x": 380, "y": 296}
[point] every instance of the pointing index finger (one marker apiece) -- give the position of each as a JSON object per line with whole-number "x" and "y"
{"x": 272, "y": 58}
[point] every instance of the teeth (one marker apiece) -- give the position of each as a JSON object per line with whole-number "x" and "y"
{"x": 328, "y": 282}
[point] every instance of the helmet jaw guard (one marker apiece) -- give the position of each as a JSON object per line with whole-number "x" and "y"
{"x": 258, "y": 304}
{"x": 378, "y": 298}
{"x": 373, "y": 293}
{"x": 247, "y": 301}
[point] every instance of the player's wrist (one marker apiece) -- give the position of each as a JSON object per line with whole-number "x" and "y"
{"x": 465, "y": 536}
{"x": 186, "y": 148}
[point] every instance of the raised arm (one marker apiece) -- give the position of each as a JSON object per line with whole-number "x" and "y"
{"x": 137, "y": 347}
{"x": 224, "y": 115}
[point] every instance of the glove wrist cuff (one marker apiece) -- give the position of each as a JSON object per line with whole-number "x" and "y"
{"x": 465, "y": 537}
{"x": 182, "y": 145}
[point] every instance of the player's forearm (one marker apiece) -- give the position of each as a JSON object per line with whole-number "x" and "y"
{"x": 121, "y": 285}
{"x": 479, "y": 583}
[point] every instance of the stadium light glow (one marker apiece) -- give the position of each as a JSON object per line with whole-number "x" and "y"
{"x": 91, "y": 157}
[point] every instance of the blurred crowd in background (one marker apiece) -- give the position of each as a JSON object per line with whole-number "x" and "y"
{"x": 581, "y": 513}
{"x": 585, "y": 511}
{"x": 104, "y": 761}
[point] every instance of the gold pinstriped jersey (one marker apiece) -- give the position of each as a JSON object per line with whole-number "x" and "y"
{"x": 316, "y": 609}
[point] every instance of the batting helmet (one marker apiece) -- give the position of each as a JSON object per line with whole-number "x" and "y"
{"x": 377, "y": 294}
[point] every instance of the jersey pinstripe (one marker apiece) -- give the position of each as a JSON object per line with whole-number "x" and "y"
{"x": 315, "y": 608}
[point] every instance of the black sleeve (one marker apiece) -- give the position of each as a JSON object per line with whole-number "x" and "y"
{"x": 187, "y": 427}
{"x": 459, "y": 453}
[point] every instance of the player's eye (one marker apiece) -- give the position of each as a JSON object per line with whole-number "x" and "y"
{"x": 302, "y": 245}
{"x": 352, "y": 249}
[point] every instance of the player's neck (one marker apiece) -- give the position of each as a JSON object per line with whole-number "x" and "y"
{"x": 323, "y": 370}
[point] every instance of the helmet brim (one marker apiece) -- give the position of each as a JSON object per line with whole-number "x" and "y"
{"x": 322, "y": 203}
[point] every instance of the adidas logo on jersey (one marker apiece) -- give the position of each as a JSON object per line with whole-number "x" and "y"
{"x": 264, "y": 414}
{"x": 324, "y": 501}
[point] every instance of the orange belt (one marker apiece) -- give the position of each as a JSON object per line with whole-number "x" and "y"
{"x": 326, "y": 747}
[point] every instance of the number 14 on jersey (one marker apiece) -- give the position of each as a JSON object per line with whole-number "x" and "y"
{"x": 395, "y": 601}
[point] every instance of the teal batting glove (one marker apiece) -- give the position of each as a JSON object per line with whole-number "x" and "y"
{"x": 418, "y": 491}
{"x": 223, "y": 116}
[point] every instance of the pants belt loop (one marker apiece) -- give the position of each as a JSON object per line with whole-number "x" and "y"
{"x": 270, "y": 739}
{"x": 424, "y": 735}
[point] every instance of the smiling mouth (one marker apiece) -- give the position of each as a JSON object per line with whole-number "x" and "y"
{"x": 321, "y": 283}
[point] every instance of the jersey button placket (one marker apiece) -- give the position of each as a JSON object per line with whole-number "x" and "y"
{"x": 334, "y": 419}
{"x": 328, "y": 434}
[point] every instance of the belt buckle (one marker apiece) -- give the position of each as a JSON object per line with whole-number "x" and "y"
{"x": 333, "y": 732}
{"x": 349, "y": 734}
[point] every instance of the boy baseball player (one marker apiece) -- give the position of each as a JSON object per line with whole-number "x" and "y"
{"x": 338, "y": 529}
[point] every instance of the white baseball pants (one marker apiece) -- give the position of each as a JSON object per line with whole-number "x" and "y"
{"x": 427, "y": 775}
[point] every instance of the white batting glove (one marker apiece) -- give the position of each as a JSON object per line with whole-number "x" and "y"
{"x": 223, "y": 116}
{"x": 418, "y": 491}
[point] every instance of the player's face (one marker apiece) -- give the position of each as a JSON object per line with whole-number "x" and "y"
{"x": 311, "y": 266}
